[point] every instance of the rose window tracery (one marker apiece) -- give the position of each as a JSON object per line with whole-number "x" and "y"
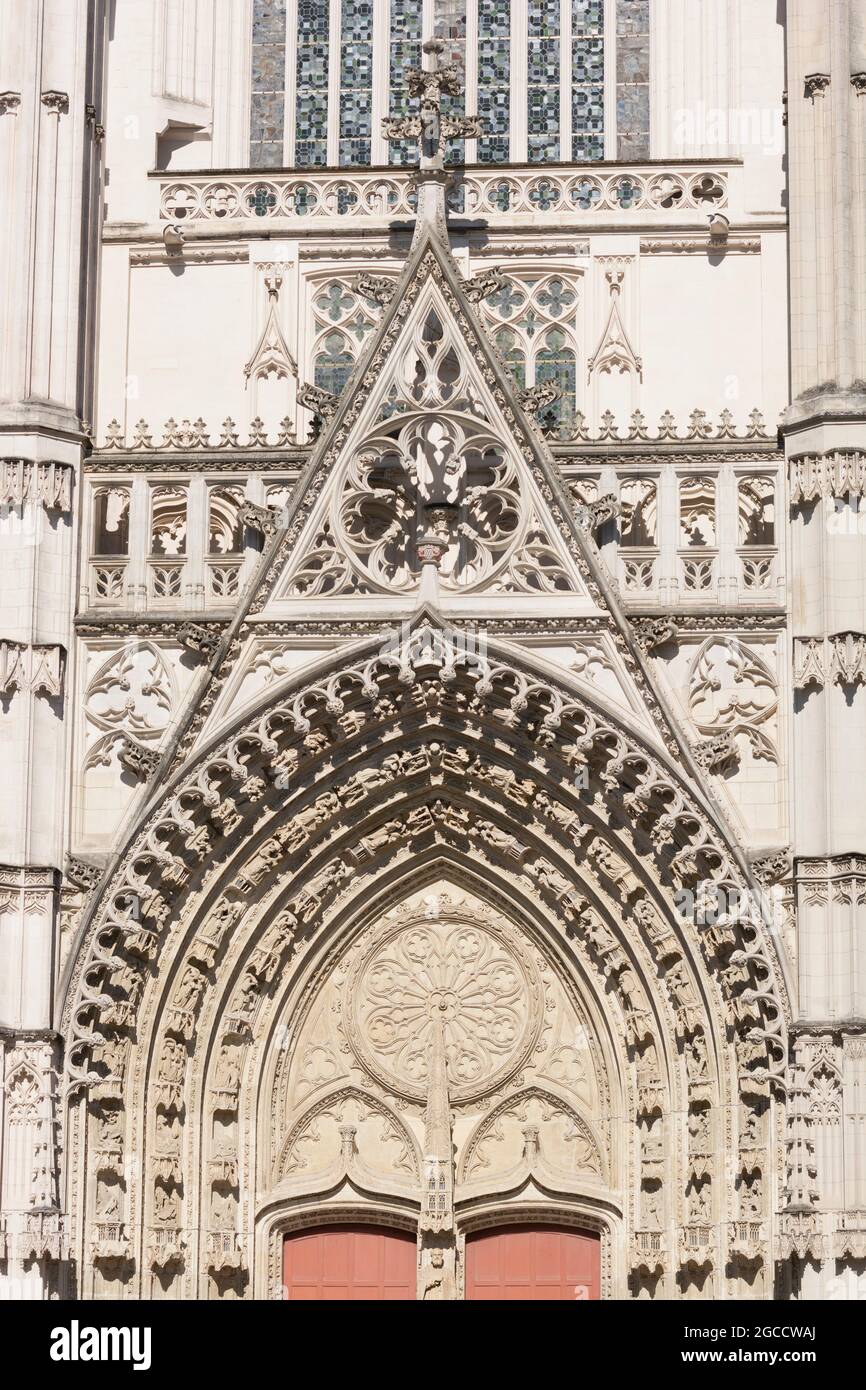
{"x": 442, "y": 474}
{"x": 481, "y": 987}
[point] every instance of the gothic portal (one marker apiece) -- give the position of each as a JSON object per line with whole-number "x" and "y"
{"x": 436, "y": 865}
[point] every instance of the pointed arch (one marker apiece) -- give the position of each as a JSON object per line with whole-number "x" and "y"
{"x": 263, "y": 859}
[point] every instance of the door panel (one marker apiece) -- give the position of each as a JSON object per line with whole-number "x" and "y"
{"x": 533, "y": 1264}
{"x": 350, "y": 1263}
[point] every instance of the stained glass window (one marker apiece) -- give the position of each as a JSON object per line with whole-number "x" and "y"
{"x": 512, "y": 355}
{"x": 449, "y": 24}
{"x": 356, "y": 81}
{"x": 587, "y": 79}
{"x": 533, "y": 323}
{"x": 268, "y": 84}
{"x": 311, "y": 98}
{"x": 542, "y": 80}
{"x": 494, "y": 80}
{"x": 556, "y": 362}
{"x": 334, "y": 364}
{"x": 632, "y": 79}
{"x": 562, "y": 86}
{"x": 404, "y": 53}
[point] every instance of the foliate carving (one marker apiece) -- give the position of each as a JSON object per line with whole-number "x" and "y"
{"x": 652, "y": 633}
{"x": 316, "y": 399}
{"x": 816, "y": 84}
{"x": 717, "y": 753}
{"x": 379, "y": 289}
{"x": 484, "y": 283}
{"x": 137, "y": 758}
{"x": 199, "y": 638}
{"x": 10, "y": 103}
{"x": 772, "y": 868}
{"x": 537, "y": 398}
{"x": 83, "y": 874}
{"x": 484, "y": 991}
{"x": 56, "y": 103}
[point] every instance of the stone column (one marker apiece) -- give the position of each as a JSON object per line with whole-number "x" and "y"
{"x": 50, "y": 155}
{"x": 824, "y": 431}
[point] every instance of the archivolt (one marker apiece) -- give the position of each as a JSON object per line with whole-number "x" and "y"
{"x": 276, "y": 838}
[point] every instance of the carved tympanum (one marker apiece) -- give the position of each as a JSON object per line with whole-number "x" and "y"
{"x": 482, "y": 985}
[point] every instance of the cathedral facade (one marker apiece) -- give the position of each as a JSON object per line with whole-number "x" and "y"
{"x": 433, "y": 649}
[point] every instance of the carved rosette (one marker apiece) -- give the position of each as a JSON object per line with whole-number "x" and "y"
{"x": 481, "y": 983}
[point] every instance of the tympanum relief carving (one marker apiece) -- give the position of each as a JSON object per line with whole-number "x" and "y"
{"x": 520, "y": 1062}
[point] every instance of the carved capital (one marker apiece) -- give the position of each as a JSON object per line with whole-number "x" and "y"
{"x": 55, "y": 103}
{"x": 10, "y": 103}
{"x": 816, "y": 84}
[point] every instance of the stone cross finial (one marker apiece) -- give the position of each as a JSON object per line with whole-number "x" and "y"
{"x": 431, "y": 128}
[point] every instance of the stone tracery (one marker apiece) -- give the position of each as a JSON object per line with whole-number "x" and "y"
{"x": 210, "y": 807}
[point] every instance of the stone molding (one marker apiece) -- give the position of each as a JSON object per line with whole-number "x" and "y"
{"x": 29, "y": 480}
{"x": 841, "y": 473}
{"x": 838, "y": 659}
{"x": 32, "y": 669}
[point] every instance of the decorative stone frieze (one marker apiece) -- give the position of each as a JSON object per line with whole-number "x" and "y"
{"x": 31, "y": 669}
{"x": 839, "y": 474}
{"x": 839, "y": 659}
{"x": 25, "y": 481}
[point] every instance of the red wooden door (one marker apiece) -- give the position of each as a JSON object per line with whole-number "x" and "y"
{"x": 350, "y": 1263}
{"x": 533, "y": 1263}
